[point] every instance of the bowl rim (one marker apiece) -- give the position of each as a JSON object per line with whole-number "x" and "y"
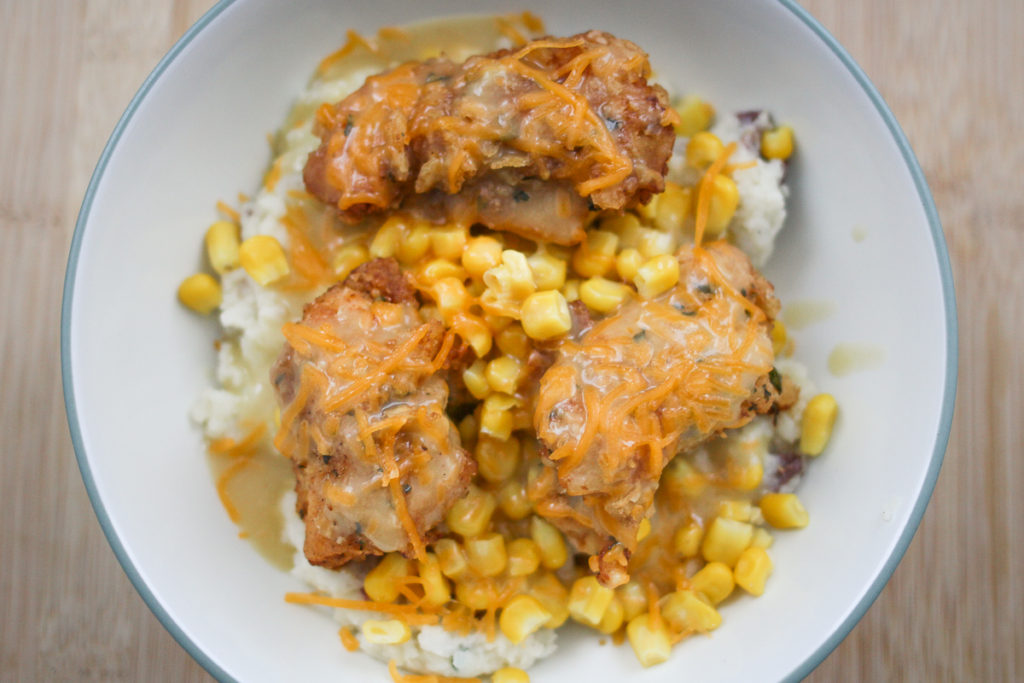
{"x": 902, "y": 543}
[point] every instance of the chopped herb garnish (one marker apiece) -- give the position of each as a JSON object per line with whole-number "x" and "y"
{"x": 639, "y": 335}
{"x": 705, "y": 288}
{"x": 349, "y": 122}
{"x": 775, "y": 379}
{"x": 684, "y": 310}
{"x": 406, "y": 488}
{"x": 612, "y": 124}
{"x": 521, "y": 196}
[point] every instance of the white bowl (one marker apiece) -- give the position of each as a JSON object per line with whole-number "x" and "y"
{"x": 134, "y": 359}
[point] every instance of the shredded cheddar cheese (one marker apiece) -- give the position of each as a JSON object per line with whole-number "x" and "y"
{"x": 228, "y": 211}
{"x": 398, "y": 677}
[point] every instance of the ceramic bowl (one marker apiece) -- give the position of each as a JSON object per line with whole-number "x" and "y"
{"x": 862, "y": 234}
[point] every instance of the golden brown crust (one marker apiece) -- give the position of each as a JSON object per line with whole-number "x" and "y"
{"x": 382, "y": 279}
{"x": 525, "y": 140}
{"x": 373, "y": 474}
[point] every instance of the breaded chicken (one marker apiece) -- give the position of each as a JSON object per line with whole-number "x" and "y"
{"x": 525, "y": 140}
{"x": 376, "y": 459}
{"x": 656, "y": 377}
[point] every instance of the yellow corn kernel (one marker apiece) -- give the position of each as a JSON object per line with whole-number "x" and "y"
{"x": 386, "y": 632}
{"x": 657, "y": 276}
{"x": 779, "y": 337}
{"x": 687, "y": 538}
{"x": 510, "y": 674}
{"x": 746, "y": 473}
{"x": 651, "y": 242}
{"x": 451, "y": 297}
{"x": 633, "y": 598}
{"x": 602, "y": 295}
{"x": 695, "y": 115}
{"x": 497, "y": 323}
{"x": 381, "y": 583}
{"x": 752, "y": 570}
{"x": 496, "y": 418}
{"x": 596, "y": 254}
{"x": 448, "y": 241}
{"x": 470, "y": 515}
{"x": 264, "y": 259}
{"x": 784, "y": 511}
{"x": 480, "y": 255}
{"x": 348, "y": 258}
{"x": 739, "y": 510}
{"x": 688, "y": 611}
{"x": 475, "y": 594}
{"x": 550, "y": 593}
{"x": 475, "y": 379}
{"x": 468, "y": 430}
{"x": 725, "y": 540}
{"x": 650, "y": 641}
{"x": 222, "y": 242}
{"x": 545, "y": 315}
{"x": 451, "y": 558}
{"x": 777, "y": 143}
{"x": 475, "y": 331}
{"x": 725, "y": 197}
{"x": 436, "y": 590}
{"x": 414, "y": 245}
{"x": 513, "y": 277}
{"x": 521, "y": 616}
{"x": 553, "y": 553}
{"x": 513, "y": 501}
{"x": 496, "y": 460}
{"x": 548, "y": 270}
{"x": 624, "y": 225}
{"x": 438, "y": 269}
{"x": 644, "y": 529}
{"x": 513, "y": 341}
{"x": 714, "y": 581}
{"x": 503, "y": 374}
{"x": 627, "y": 263}
{"x": 200, "y": 292}
{"x": 702, "y": 150}
{"x": 672, "y": 208}
{"x": 588, "y": 600}
{"x": 430, "y": 312}
{"x": 762, "y": 539}
{"x": 486, "y": 554}
{"x": 571, "y": 290}
{"x": 612, "y": 618}
{"x": 523, "y": 557}
{"x": 684, "y": 480}
{"x": 819, "y": 418}
{"x": 385, "y": 242}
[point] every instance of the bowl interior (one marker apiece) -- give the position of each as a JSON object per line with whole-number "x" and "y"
{"x": 135, "y": 360}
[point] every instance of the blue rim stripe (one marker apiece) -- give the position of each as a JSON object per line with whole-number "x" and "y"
{"x": 949, "y": 392}
{"x": 150, "y": 599}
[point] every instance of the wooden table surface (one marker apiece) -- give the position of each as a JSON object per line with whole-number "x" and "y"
{"x": 953, "y": 72}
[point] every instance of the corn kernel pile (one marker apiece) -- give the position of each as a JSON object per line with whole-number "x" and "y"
{"x": 498, "y": 567}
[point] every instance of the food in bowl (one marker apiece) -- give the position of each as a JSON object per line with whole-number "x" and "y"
{"x": 497, "y": 351}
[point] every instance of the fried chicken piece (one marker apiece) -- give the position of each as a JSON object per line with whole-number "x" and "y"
{"x": 655, "y": 378}
{"x": 377, "y": 461}
{"x": 524, "y": 140}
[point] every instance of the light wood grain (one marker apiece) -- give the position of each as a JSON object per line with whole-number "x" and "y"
{"x": 953, "y": 72}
